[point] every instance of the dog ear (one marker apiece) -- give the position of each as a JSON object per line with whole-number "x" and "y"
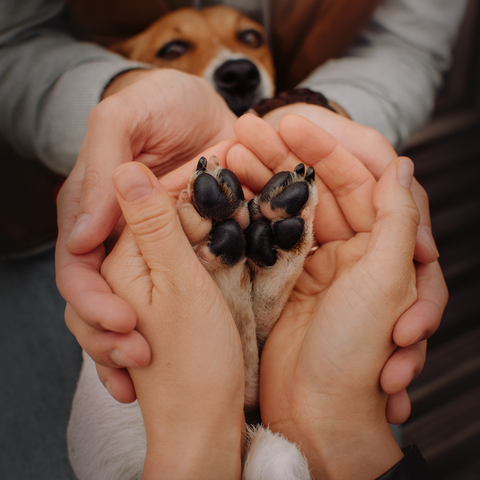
{"x": 124, "y": 48}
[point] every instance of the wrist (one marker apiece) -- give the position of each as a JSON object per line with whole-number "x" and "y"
{"x": 209, "y": 446}
{"x": 339, "y": 109}
{"x": 342, "y": 443}
{"x": 123, "y": 80}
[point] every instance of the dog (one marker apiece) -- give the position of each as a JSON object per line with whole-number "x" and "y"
{"x": 270, "y": 238}
{"x": 218, "y": 43}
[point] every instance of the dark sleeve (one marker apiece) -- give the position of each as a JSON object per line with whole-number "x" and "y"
{"x": 412, "y": 467}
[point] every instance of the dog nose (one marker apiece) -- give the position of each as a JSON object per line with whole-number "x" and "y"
{"x": 237, "y": 76}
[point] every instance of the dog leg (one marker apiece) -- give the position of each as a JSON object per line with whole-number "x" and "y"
{"x": 278, "y": 241}
{"x": 214, "y": 213}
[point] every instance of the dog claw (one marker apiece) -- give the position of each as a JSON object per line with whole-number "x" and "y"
{"x": 202, "y": 164}
{"x": 310, "y": 176}
{"x": 300, "y": 169}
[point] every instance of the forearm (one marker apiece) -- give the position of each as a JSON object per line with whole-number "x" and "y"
{"x": 388, "y": 80}
{"x": 49, "y": 83}
{"x": 193, "y": 429}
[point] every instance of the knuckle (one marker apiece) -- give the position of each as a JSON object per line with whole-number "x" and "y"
{"x": 104, "y": 111}
{"x": 153, "y": 219}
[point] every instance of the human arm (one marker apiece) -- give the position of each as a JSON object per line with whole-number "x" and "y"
{"x": 389, "y": 78}
{"x": 191, "y": 394}
{"x": 321, "y": 365}
{"x": 49, "y": 82}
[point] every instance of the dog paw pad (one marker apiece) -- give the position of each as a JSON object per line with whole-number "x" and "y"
{"x": 260, "y": 247}
{"x": 227, "y": 242}
{"x": 216, "y": 196}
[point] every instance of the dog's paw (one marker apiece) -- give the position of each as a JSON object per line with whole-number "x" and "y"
{"x": 282, "y": 217}
{"x": 213, "y": 213}
{"x": 278, "y": 240}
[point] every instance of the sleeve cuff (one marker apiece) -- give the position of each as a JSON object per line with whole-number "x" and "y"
{"x": 412, "y": 467}
{"x": 364, "y": 108}
{"x": 74, "y": 96}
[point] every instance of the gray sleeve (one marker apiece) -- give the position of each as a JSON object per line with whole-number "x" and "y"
{"x": 389, "y": 78}
{"x": 49, "y": 82}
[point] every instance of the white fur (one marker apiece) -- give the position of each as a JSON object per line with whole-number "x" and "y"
{"x": 106, "y": 439}
{"x": 271, "y": 456}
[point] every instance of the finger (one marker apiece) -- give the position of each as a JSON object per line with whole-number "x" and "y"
{"x": 423, "y": 318}
{"x": 266, "y": 144}
{"x": 393, "y": 236}
{"x": 402, "y": 367}
{"x": 107, "y": 145}
{"x": 425, "y": 249}
{"x": 346, "y": 177}
{"x": 78, "y": 278}
{"x": 398, "y": 408}
{"x": 249, "y": 170}
{"x": 118, "y": 383}
{"x": 107, "y": 348}
{"x": 152, "y": 217}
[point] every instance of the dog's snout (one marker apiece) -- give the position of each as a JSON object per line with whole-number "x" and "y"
{"x": 240, "y": 76}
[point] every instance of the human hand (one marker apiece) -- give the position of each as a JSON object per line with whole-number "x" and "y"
{"x": 423, "y": 319}
{"x": 191, "y": 394}
{"x": 321, "y": 364}
{"x": 161, "y": 120}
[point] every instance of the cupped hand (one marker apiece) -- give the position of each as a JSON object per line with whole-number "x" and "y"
{"x": 161, "y": 120}
{"x": 321, "y": 364}
{"x": 423, "y": 319}
{"x": 192, "y": 391}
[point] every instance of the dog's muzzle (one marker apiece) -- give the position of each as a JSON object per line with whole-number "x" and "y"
{"x": 238, "y": 83}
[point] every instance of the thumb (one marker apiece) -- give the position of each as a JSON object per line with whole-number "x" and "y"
{"x": 151, "y": 215}
{"x": 397, "y": 219}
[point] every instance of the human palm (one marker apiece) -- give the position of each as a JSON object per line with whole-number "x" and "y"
{"x": 330, "y": 342}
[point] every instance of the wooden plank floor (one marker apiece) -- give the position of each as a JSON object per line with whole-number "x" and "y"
{"x": 445, "y": 420}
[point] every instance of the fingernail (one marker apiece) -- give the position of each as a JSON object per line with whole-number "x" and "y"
{"x": 426, "y": 234}
{"x": 405, "y": 172}
{"x": 132, "y": 183}
{"x": 82, "y": 223}
{"x": 121, "y": 359}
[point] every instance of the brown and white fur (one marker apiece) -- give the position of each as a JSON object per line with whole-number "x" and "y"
{"x": 219, "y": 44}
{"x": 106, "y": 439}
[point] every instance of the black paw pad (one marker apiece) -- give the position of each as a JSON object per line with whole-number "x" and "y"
{"x": 260, "y": 244}
{"x": 215, "y": 200}
{"x": 292, "y": 199}
{"x": 227, "y": 241}
{"x": 288, "y": 232}
{"x": 228, "y": 178}
{"x": 279, "y": 180}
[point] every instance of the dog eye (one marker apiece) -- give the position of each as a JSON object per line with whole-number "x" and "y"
{"x": 172, "y": 50}
{"x": 251, "y": 38}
